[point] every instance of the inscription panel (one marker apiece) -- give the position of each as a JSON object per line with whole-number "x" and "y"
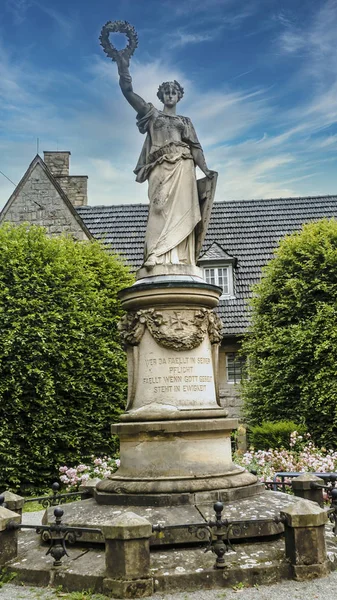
{"x": 181, "y": 379}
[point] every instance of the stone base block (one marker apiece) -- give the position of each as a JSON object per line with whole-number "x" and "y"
{"x": 8, "y": 546}
{"x": 183, "y": 499}
{"x": 304, "y": 572}
{"x": 137, "y": 588}
{"x": 176, "y": 457}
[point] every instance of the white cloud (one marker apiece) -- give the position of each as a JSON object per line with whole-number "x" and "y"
{"x": 181, "y": 38}
{"x": 99, "y": 127}
{"x": 18, "y": 8}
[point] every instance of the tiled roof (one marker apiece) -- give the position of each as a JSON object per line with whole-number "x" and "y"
{"x": 248, "y": 230}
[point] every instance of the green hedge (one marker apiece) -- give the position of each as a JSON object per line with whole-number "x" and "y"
{"x": 292, "y": 343}
{"x": 273, "y": 435}
{"x": 62, "y": 369}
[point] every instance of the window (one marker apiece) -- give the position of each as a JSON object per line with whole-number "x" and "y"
{"x": 234, "y": 366}
{"x": 220, "y": 276}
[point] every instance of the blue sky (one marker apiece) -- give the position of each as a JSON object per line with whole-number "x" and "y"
{"x": 260, "y": 79}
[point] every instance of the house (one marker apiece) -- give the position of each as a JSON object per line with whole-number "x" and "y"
{"x": 47, "y": 195}
{"x": 241, "y": 238}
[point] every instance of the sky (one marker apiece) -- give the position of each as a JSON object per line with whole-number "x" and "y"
{"x": 260, "y": 80}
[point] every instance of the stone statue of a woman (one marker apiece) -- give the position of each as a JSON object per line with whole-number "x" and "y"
{"x": 170, "y": 153}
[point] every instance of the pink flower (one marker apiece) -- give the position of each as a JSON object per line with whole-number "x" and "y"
{"x": 81, "y": 468}
{"x": 118, "y": 462}
{"x": 71, "y": 473}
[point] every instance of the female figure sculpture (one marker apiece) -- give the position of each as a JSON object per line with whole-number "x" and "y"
{"x": 170, "y": 153}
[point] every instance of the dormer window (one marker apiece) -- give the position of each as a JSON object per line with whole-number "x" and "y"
{"x": 220, "y": 276}
{"x": 217, "y": 266}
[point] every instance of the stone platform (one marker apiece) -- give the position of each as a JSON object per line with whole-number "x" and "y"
{"x": 171, "y": 570}
{"x": 254, "y": 517}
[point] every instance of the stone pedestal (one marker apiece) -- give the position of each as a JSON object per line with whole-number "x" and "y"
{"x": 308, "y": 486}
{"x": 305, "y": 540}
{"x": 14, "y": 502}
{"x": 175, "y": 457}
{"x": 8, "y": 538}
{"x": 127, "y": 557}
{"x": 174, "y": 435}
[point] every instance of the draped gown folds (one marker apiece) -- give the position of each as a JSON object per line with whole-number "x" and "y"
{"x": 166, "y": 162}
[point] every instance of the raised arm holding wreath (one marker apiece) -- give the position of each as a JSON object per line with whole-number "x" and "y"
{"x": 170, "y": 153}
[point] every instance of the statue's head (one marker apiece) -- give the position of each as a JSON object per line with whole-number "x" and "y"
{"x": 170, "y": 92}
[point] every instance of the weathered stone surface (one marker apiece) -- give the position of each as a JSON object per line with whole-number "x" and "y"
{"x": 8, "y": 546}
{"x": 39, "y": 200}
{"x": 83, "y": 569}
{"x": 57, "y": 162}
{"x": 138, "y": 588}
{"x": 8, "y": 539}
{"x": 305, "y": 514}
{"x": 305, "y": 572}
{"x": 127, "y": 526}
{"x": 87, "y": 513}
{"x": 127, "y": 559}
{"x": 175, "y": 457}
{"x": 172, "y": 569}
{"x": 303, "y": 487}
{"x": 180, "y": 569}
{"x": 6, "y": 516}
{"x": 13, "y": 502}
{"x": 305, "y": 540}
{"x": 172, "y": 349}
{"x": 247, "y": 511}
{"x": 305, "y": 545}
{"x": 76, "y": 188}
{"x": 127, "y": 554}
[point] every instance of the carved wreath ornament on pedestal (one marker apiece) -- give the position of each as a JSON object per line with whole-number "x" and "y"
{"x": 171, "y": 329}
{"x": 118, "y": 27}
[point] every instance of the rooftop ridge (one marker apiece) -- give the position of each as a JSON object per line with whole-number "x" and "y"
{"x": 222, "y": 202}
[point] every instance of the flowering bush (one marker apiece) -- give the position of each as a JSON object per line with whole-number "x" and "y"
{"x": 303, "y": 456}
{"x": 73, "y": 477}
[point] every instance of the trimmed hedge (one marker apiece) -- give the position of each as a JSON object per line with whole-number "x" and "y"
{"x": 273, "y": 435}
{"x": 62, "y": 369}
{"x": 292, "y": 343}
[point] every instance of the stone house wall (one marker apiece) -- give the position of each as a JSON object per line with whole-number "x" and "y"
{"x": 39, "y": 202}
{"x": 229, "y": 392}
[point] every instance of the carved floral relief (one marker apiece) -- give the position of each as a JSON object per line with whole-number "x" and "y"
{"x": 175, "y": 329}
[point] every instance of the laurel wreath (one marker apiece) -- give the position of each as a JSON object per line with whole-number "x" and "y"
{"x": 118, "y": 27}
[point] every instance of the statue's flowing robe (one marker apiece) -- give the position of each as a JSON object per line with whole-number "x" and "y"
{"x": 167, "y": 163}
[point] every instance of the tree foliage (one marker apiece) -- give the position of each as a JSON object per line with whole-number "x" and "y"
{"x": 62, "y": 369}
{"x": 292, "y": 345}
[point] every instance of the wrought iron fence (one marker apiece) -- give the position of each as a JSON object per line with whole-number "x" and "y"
{"x": 57, "y": 498}
{"x": 281, "y": 481}
{"x": 57, "y": 534}
{"x": 217, "y": 532}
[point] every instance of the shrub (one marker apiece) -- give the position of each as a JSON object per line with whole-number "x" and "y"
{"x": 62, "y": 369}
{"x": 303, "y": 456}
{"x": 292, "y": 343}
{"x": 274, "y": 435}
{"x": 73, "y": 477}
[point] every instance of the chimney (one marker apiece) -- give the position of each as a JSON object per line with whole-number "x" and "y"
{"x": 57, "y": 162}
{"x": 74, "y": 186}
